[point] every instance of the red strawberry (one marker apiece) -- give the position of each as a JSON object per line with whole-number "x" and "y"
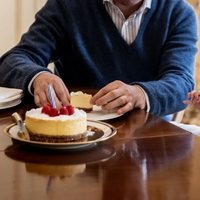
{"x": 70, "y": 109}
{"x": 64, "y": 111}
{"x": 46, "y": 109}
{"x": 53, "y": 112}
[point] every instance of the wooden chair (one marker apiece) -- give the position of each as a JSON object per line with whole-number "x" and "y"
{"x": 177, "y": 117}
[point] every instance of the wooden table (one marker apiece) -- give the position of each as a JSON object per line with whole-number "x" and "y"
{"x": 148, "y": 159}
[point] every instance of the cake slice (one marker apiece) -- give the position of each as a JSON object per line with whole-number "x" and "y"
{"x": 81, "y": 100}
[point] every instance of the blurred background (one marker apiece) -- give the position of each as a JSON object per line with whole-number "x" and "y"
{"x": 17, "y": 15}
{"x": 192, "y": 115}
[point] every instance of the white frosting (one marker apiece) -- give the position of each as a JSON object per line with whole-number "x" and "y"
{"x": 77, "y": 93}
{"x": 37, "y": 113}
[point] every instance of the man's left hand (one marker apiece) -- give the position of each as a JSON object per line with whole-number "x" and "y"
{"x": 120, "y": 97}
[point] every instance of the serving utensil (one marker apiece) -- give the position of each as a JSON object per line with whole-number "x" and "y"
{"x": 22, "y": 132}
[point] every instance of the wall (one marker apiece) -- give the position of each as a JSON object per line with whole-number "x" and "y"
{"x": 7, "y": 27}
{"x": 15, "y": 17}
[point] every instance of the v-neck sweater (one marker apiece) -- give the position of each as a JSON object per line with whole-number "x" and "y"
{"x": 88, "y": 50}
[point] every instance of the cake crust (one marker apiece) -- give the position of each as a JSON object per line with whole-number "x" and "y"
{"x": 58, "y": 139}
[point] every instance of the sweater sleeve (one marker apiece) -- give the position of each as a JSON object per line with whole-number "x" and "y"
{"x": 42, "y": 44}
{"x": 176, "y": 67}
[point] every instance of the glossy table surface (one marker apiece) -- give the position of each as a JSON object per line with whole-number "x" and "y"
{"x": 148, "y": 159}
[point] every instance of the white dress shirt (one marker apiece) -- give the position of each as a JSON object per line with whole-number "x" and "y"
{"x": 129, "y": 27}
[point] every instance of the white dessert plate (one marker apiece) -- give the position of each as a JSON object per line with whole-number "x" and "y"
{"x": 10, "y": 99}
{"x": 101, "y": 132}
{"x": 99, "y": 115}
{"x": 10, "y": 104}
{"x": 7, "y": 93}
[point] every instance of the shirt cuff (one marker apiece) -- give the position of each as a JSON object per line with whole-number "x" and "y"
{"x": 146, "y": 97}
{"x": 31, "y": 82}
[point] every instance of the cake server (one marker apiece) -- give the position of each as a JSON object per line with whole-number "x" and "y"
{"x": 22, "y": 132}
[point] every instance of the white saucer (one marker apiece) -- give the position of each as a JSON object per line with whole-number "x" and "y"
{"x": 9, "y": 94}
{"x": 10, "y": 104}
{"x": 10, "y": 99}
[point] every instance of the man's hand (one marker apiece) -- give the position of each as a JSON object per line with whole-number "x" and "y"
{"x": 120, "y": 97}
{"x": 40, "y": 86}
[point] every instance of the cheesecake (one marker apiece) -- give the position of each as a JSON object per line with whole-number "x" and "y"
{"x": 48, "y": 125}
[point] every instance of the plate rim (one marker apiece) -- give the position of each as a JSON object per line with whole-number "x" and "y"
{"x": 66, "y": 145}
{"x": 104, "y": 116}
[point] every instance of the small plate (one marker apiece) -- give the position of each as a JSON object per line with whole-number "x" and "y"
{"x": 102, "y": 131}
{"x": 11, "y": 99}
{"x": 6, "y": 94}
{"x": 10, "y": 104}
{"x": 99, "y": 115}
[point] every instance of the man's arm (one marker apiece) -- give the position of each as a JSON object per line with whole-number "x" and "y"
{"x": 176, "y": 68}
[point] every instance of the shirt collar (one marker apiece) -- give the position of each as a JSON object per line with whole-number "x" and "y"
{"x": 146, "y": 3}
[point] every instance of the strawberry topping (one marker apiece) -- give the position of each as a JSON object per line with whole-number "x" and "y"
{"x": 64, "y": 111}
{"x": 46, "y": 109}
{"x": 70, "y": 109}
{"x": 53, "y": 112}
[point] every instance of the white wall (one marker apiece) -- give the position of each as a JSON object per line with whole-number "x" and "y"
{"x": 15, "y": 18}
{"x": 7, "y": 25}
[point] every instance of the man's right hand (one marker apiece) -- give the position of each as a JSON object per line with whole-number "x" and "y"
{"x": 40, "y": 87}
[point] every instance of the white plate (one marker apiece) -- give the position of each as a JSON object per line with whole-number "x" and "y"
{"x": 99, "y": 115}
{"x": 105, "y": 132}
{"x": 10, "y": 104}
{"x": 6, "y": 93}
{"x": 10, "y": 99}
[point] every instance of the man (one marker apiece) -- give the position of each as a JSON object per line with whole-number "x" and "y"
{"x": 138, "y": 53}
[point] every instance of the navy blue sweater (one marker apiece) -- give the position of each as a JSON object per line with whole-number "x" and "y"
{"x": 80, "y": 37}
